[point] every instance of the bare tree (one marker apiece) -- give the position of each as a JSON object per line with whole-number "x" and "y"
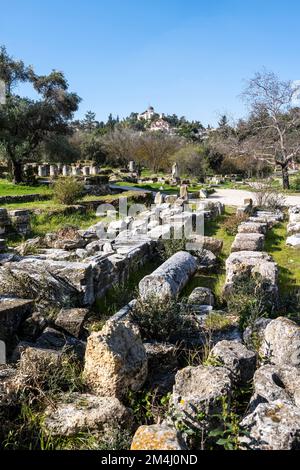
{"x": 155, "y": 149}
{"x": 121, "y": 145}
{"x": 275, "y": 120}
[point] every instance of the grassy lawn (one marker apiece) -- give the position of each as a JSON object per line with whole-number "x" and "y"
{"x": 215, "y": 281}
{"x": 52, "y": 205}
{"x": 166, "y": 188}
{"x": 287, "y": 258}
{"x": 42, "y": 223}
{"x": 9, "y": 189}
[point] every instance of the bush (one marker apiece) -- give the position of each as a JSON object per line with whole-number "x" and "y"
{"x": 160, "y": 320}
{"x": 268, "y": 197}
{"x": 232, "y": 223}
{"x": 296, "y": 184}
{"x": 170, "y": 247}
{"x": 249, "y": 299}
{"x": 67, "y": 191}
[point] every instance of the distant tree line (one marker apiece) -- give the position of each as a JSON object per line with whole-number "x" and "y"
{"x": 45, "y": 129}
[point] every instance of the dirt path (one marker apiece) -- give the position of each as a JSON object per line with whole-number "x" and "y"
{"x": 235, "y": 197}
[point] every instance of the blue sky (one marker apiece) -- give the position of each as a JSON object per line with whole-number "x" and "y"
{"x": 188, "y": 57}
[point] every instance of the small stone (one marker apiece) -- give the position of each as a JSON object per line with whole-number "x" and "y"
{"x": 240, "y": 361}
{"x": 281, "y": 342}
{"x": 79, "y": 413}
{"x": 201, "y": 296}
{"x": 157, "y": 437}
{"x": 200, "y": 390}
{"x": 72, "y": 320}
{"x": 272, "y": 426}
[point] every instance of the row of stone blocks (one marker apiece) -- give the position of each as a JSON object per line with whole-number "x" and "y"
{"x": 248, "y": 256}
{"x": 66, "y": 170}
{"x": 14, "y": 221}
{"x": 293, "y": 227}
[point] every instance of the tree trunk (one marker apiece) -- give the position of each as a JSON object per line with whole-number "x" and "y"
{"x": 285, "y": 177}
{"x": 16, "y": 172}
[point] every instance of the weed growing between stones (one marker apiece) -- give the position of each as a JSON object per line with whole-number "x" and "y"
{"x": 218, "y": 431}
{"x": 38, "y": 385}
{"x": 148, "y": 406}
{"x": 249, "y": 300}
{"x": 169, "y": 247}
{"x": 161, "y": 320}
{"x": 231, "y": 223}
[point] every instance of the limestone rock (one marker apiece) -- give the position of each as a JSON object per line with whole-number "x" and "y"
{"x": 272, "y": 426}
{"x": 70, "y": 241}
{"x": 200, "y": 389}
{"x": 281, "y": 343}
{"x": 201, "y": 296}
{"x": 240, "y": 361}
{"x": 157, "y": 437}
{"x": 158, "y": 200}
{"x": 253, "y": 227}
{"x": 162, "y": 366}
{"x": 248, "y": 242}
{"x": 115, "y": 360}
{"x": 294, "y": 240}
{"x": 12, "y": 312}
{"x": 72, "y": 320}
{"x": 213, "y": 244}
{"x": 207, "y": 261}
{"x": 273, "y": 383}
{"x": 293, "y": 228}
{"x": 33, "y": 326}
{"x": 78, "y": 413}
{"x": 53, "y": 339}
{"x": 253, "y": 335}
{"x": 169, "y": 279}
{"x": 252, "y": 262}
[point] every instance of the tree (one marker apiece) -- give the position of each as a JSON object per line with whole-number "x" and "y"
{"x": 26, "y": 123}
{"x": 191, "y": 131}
{"x": 275, "y": 119}
{"x": 191, "y": 161}
{"x": 59, "y": 148}
{"x": 121, "y": 145}
{"x": 89, "y": 122}
{"x": 155, "y": 149}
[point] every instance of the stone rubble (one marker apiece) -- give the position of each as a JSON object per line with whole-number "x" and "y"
{"x": 115, "y": 360}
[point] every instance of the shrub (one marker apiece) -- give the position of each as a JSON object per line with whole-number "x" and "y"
{"x": 160, "y": 320}
{"x": 268, "y": 197}
{"x": 296, "y": 183}
{"x": 249, "y": 299}
{"x": 232, "y": 223}
{"x": 170, "y": 247}
{"x": 67, "y": 191}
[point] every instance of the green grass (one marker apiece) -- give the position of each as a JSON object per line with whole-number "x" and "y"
{"x": 166, "y": 187}
{"x": 119, "y": 296}
{"x": 287, "y": 258}
{"x": 215, "y": 281}
{"x": 9, "y": 189}
{"x": 51, "y": 205}
{"x": 43, "y": 223}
